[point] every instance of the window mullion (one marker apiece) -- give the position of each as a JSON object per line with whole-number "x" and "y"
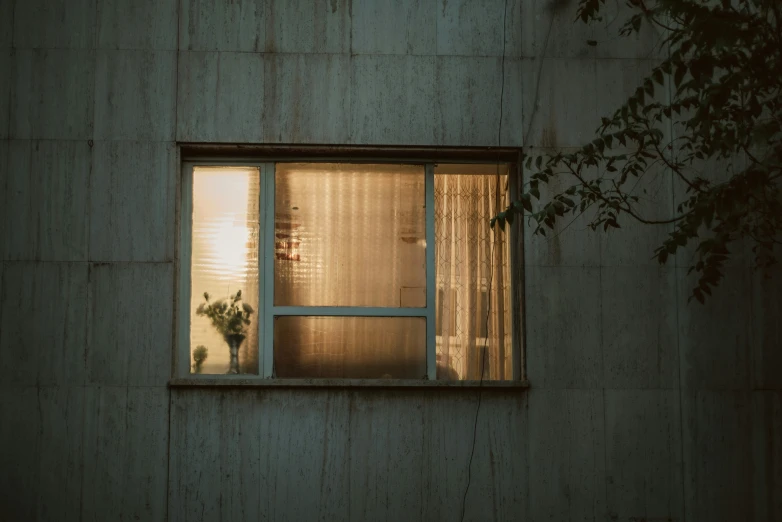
{"x": 349, "y": 311}
{"x": 185, "y": 253}
{"x": 267, "y": 285}
{"x": 431, "y": 286}
{"x": 516, "y": 261}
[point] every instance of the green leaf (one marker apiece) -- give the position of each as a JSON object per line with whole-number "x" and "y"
{"x": 678, "y": 76}
{"x": 658, "y": 76}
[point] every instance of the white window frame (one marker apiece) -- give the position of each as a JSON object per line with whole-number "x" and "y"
{"x": 267, "y": 311}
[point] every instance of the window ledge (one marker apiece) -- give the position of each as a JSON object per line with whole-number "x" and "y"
{"x": 260, "y": 382}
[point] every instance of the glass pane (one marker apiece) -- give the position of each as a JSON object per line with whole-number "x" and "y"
{"x": 350, "y": 347}
{"x": 224, "y": 262}
{"x": 350, "y": 235}
{"x": 472, "y": 303}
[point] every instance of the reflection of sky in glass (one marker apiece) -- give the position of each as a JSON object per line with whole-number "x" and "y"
{"x": 224, "y": 253}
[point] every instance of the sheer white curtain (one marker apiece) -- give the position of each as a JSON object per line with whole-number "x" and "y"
{"x": 473, "y": 290}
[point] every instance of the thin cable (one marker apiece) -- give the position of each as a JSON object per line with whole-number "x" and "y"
{"x": 480, "y": 395}
{"x": 491, "y": 271}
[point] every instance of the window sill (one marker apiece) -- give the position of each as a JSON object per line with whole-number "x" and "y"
{"x": 260, "y": 382}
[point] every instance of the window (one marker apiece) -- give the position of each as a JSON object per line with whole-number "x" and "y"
{"x": 346, "y": 270}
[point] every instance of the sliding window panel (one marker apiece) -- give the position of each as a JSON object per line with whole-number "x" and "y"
{"x": 350, "y": 235}
{"x": 224, "y": 261}
{"x": 350, "y": 347}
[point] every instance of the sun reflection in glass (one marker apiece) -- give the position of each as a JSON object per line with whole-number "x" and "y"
{"x": 221, "y": 228}
{"x": 224, "y": 259}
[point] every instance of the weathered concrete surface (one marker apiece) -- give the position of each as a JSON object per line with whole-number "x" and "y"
{"x": 19, "y": 433}
{"x": 142, "y": 24}
{"x": 6, "y": 24}
{"x": 217, "y": 476}
{"x": 639, "y": 328}
{"x": 52, "y": 94}
{"x": 564, "y": 356}
{"x": 135, "y": 95}
{"x": 46, "y": 200}
{"x": 567, "y": 455}
{"x": 120, "y": 353}
{"x": 44, "y": 318}
{"x": 549, "y": 31}
{"x": 766, "y": 369}
{"x": 390, "y": 93}
{"x": 402, "y": 27}
{"x": 716, "y": 339}
{"x": 126, "y": 453}
{"x": 767, "y": 454}
{"x": 205, "y": 25}
{"x": 307, "y": 98}
{"x": 3, "y": 175}
{"x": 220, "y": 97}
{"x": 466, "y": 28}
{"x": 467, "y": 109}
{"x": 642, "y": 407}
{"x": 54, "y": 24}
{"x": 5, "y": 90}
{"x": 633, "y": 244}
{"x": 43, "y": 452}
{"x": 133, "y": 201}
{"x": 556, "y": 112}
{"x": 373, "y": 455}
{"x": 718, "y": 468}
{"x": 301, "y": 26}
{"x": 643, "y": 455}
{"x": 571, "y": 243}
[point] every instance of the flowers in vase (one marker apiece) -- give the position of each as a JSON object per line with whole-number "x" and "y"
{"x": 229, "y": 317}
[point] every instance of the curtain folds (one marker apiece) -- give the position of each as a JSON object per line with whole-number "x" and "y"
{"x": 473, "y": 280}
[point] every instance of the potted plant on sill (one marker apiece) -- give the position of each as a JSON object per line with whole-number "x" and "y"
{"x": 199, "y": 356}
{"x": 230, "y": 317}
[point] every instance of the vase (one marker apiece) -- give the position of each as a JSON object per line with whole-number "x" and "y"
{"x": 234, "y": 341}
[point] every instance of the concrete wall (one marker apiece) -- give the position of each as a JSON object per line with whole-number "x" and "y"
{"x": 642, "y": 407}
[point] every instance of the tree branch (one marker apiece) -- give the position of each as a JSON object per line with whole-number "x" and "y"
{"x": 627, "y": 210}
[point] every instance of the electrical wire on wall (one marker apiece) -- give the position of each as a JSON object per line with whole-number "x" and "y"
{"x": 491, "y": 269}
